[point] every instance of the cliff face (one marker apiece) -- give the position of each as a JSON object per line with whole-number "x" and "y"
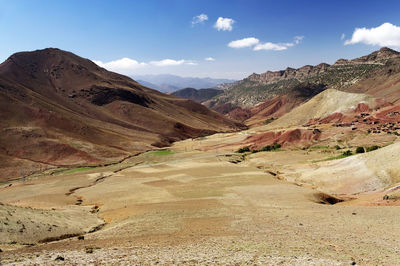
{"x": 300, "y": 74}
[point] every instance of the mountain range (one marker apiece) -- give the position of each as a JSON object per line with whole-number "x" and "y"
{"x": 170, "y": 83}
{"x": 272, "y": 94}
{"x": 197, "y": 95}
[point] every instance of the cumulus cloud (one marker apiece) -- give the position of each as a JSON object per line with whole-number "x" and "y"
{"x": 199, "y": 19}
{"x": 167, "y": 62}
{"x": 128, "y": 66}
{"x": 224, "y": 24}
{"x": 172, "y": 62}
{"x": 257, "y": 46}
{"x": 209, "y": 59}
{"x": 245, "y": 42}
{"x": 271, "y": 46}
{"x": 386, "y": 34}
{"x": 124, "y": 65}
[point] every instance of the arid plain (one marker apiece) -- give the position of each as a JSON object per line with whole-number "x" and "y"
{"x": 200, "y": 202}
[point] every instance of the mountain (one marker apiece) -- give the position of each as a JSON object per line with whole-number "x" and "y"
{"x": 58, "y": 109}
{"x": 147, "y": 84}
{"x": 272, "y": 94}
{"x": 170, "y": 83}
{"x": 200, "y": 95}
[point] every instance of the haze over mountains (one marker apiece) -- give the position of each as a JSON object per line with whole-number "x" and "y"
{"x": 170, "y": 83}
{"x": 197, "y": 95}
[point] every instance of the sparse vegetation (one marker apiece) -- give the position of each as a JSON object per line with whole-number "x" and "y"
{"x": 341, "y": 156}
{"x": 372, "y": 148}
{"x": 274, "y": 147}
{"x": 269, "y": 120}
{"x": 243, "y": 150}
{"x": 319, "y": 147}
{"x": 347, "y": 153}
{"x": 75, "y": 170}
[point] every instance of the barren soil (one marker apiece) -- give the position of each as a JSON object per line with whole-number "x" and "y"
{"x": 199, "y": 203}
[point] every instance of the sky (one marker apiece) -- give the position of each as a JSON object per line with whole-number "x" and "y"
{"x": 193, "y": 38}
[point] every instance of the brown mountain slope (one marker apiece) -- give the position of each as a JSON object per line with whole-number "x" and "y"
{"x": 58, "y": 109}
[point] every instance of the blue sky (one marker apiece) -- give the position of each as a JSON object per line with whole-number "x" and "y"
{"x": 147, "y": 33}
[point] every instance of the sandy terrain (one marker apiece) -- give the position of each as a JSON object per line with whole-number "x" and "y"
{"x": 200, "y": 204}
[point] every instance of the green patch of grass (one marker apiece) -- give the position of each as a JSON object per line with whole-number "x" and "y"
{"x": 75, "y": 170}
{"x": 162, "y": 152}
{"x": 341, "y": 156}
{"x": 319, "y": 147}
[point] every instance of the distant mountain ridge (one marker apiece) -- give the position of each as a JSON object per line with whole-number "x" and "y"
{"x": 273, "y": 93}
{"x": 200, "y": 95}
{"x": 170, "y": 83}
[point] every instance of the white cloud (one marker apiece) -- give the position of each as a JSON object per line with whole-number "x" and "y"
{"x": 278, "y": 46}
{"x": 257, "y": 46}
{"x": 271, "y": 46}
{"x": 245, "y": 42}
{"x": 129, "y": 66}
{"x": 124, "y": 65}
{"x": 342, "y": 36}
{"x": 167, "y": 62}
{"x": 199, "y": 19}
{"x": 224, "y": 24}
{"x": 209, "y": 59}
{"x": 386, "y": 34}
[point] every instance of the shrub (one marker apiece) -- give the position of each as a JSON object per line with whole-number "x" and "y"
{"x": 266, "y": 148}
{"x": 360, "y": 150}
{"x": 269, "y": 120}
{"x": 337, "y": 147}
{"x": 244, "y": 149}
{"x": 81, "y": 237}
{"x": 347, "y": 153}
{"x": 372, "y": 148}
{"x": 277, "y": 146}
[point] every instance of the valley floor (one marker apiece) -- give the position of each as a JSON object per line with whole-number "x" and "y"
{"x": 196, "y": 203}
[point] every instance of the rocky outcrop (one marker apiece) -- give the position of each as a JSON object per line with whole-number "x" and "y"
{"x": 289, "y": 73}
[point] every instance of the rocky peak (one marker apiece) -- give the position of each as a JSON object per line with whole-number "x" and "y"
{"x": 289, "y": 73}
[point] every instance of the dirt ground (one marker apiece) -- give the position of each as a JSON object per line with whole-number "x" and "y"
{"x": 197, "y": 203}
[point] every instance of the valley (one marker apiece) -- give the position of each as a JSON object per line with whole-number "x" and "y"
{"x": 127, "y": 175}
{"x": 200, "y": 201}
